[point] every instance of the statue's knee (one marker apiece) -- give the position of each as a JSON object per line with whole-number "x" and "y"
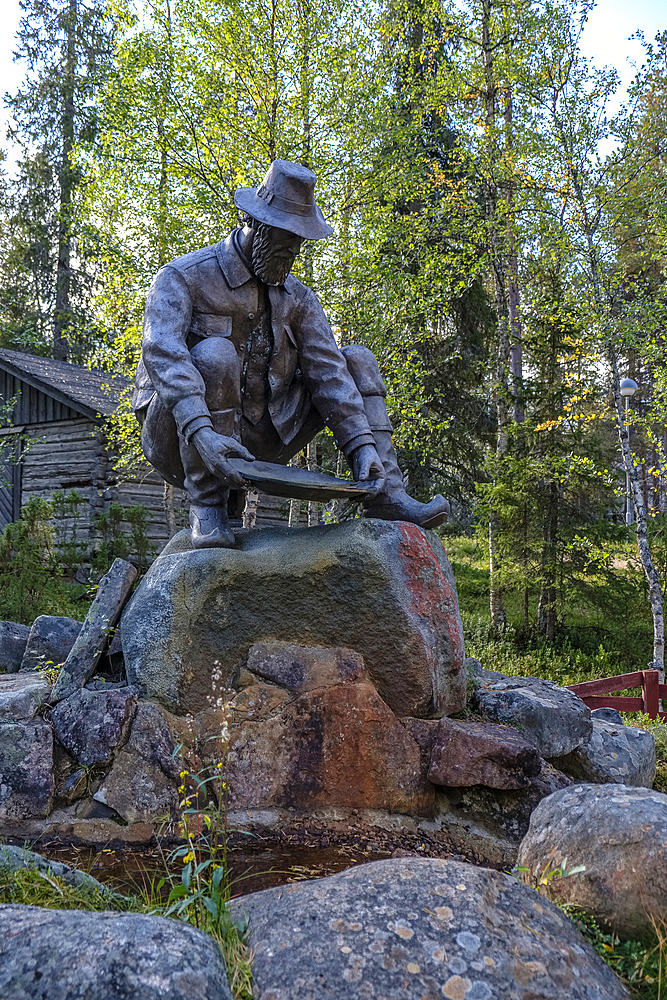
{"x": 363, "y": 367}
{"x": 217, "y": 362}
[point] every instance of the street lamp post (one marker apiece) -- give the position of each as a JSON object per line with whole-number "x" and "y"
{"x": 628, "y": 389}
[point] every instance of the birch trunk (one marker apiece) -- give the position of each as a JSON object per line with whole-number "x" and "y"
{"x": 637, "y": 494}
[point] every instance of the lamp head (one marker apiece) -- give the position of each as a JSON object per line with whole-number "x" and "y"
{"x": 628, "y": 387}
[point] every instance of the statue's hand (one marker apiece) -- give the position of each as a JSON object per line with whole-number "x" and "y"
{"x": 367, "y": 466}
{"x": 215, "y": 450}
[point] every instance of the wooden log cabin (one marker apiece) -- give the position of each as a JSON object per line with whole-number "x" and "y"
{"x": 52, "y": 439}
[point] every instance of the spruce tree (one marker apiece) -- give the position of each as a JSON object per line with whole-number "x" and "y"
{"x": 65, "y": 46}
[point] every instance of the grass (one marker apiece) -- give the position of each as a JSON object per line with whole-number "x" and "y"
{"x": 34, "y": 888}
{"x": 604, "y": 621}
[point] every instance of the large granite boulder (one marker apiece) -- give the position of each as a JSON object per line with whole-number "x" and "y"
{"x": 26, "y": 769}
{"x": 616, "y": 753}
{"x": 417, "y": 929}
{"x": 50, "y": 641}
{"x": 383, "y": 589}
{"x": 619, "y": 834}
{"x": 13, "y": 640}
{"x": 553, "y": 718}
{"x": 54, "y": 954}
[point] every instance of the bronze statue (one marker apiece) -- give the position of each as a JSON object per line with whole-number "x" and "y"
{"x": 239, "y": 360}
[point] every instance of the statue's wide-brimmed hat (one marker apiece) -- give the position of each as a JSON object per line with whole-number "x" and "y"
{"x": 286, "y": 199}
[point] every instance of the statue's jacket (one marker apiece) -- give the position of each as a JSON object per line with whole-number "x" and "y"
{"x": 212, "y": 293}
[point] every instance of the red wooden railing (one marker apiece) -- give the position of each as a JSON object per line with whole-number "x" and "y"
{"x": 596, "y": 694}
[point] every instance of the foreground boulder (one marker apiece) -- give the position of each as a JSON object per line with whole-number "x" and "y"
{"x": 554, "y": 719}
{"x": 383, "y": 589}
{"x": 619, "y": 834}
{"x": 49, "y": 954}
{"x": 415, "y": 929}
{"x": 620, "y": 754}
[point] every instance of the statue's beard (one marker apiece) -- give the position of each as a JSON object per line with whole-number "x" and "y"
{"x": 270, "y": 266}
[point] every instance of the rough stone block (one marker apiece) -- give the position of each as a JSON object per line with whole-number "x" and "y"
{"x": 382, "y": 589}
{"x": 303, "y": 668}
{"x": 480, "y": 753}
{"x": 53, "y": 954}
{"x": 338, "y": 746}
{"x": 619, "y": 834}
{"x": 112, "y": 593}
{"x": 91, "y": 724}
{"x": 13, "y": 640}
{"x": 50, "y": 640}
{"x": 619, "y": 754}
{"x": 419, "y": 928}
{"x": 21, "y": 695}
{"x": 554, "y": 719}
{"x": 141, "y": 786}
{"x": 26, "y": 769}
{"x": 504, "y": 814}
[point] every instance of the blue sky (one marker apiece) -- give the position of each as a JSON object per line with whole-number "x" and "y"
{"x": 605, "y": 39}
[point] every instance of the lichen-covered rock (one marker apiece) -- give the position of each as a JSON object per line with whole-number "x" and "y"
{"x": 50, "y": 640}
{"x": 338, "y": 746}
{"x": 619, "y": 834}
{"x": 74, "y": 954}
{"x": 26, "y": 769}
{"x": 13, "y": 640}
{"x": 620, "y": 754}
{"x": 481, "y": 753}
{"x": 113, "y": 591}
{"x": 382, "y": 589}
{"x": 21, "y": 695}
{"x": 141, "y": 786}
{"x": 554, "y": 719}
{"x": 416, "y": 929}
{"x": 16, "y": 858}
{"x": 607, "y": 715}
{"x": 91, "y": 724}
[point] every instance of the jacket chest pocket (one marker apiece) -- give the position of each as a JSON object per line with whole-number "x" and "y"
{"x": 211, "y": 325}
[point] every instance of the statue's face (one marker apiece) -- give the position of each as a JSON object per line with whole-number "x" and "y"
{"x": 273, "y": 253}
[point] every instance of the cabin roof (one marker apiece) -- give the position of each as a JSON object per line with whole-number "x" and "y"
{"x": 92, "y": 392}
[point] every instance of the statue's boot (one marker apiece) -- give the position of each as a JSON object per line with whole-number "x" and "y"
{"x": 210, "y": 528}
{"x": 209, "y": 520}
{"x": 392, "y": 503}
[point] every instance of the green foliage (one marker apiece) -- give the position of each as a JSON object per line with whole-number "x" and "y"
{"x": 50, "y": 545}
{"x": 604, "y": 627}
{"x": 642, "y": 965}
{"x": 30, "y": 581}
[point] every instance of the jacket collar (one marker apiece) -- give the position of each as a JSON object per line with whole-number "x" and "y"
{"x": 235, "y": 269}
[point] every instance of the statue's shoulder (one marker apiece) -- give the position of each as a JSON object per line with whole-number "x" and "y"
{"x": 195, "y": 259}
{"x": 298, "y": 290}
